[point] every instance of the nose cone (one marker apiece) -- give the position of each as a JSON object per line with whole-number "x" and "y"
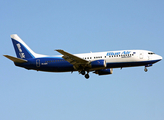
{"x": 159, "y": 57}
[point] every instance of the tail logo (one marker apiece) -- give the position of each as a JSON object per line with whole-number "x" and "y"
{"x": 22, "y": 55}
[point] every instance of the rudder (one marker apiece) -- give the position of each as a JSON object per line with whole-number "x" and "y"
{"x": 21, "y": 49}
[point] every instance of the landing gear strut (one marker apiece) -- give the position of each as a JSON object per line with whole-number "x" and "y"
{"x": 145, "y": 69}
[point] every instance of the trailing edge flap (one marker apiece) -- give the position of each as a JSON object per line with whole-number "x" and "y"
{"x": 72, "y": 58}
{"x": 16, "y": 60}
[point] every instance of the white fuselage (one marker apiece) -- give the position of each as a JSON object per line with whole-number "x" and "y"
{"x": 123, "y": 56}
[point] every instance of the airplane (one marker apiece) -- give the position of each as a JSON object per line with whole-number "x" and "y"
{"x": 101, "y": 63}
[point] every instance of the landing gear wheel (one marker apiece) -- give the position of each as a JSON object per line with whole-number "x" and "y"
{"x": 87, "y": 76}
{"x": 83, "y": 72}
{"x": 145, "y": 69}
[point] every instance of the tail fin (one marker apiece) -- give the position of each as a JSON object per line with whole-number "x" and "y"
{"x": 21, "y": 49}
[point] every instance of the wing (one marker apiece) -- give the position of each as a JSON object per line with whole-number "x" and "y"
{"x": 74, "y": 60}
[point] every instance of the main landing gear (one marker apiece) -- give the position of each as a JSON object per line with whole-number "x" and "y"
{"x": 86, "y": 75}
{"x": 82, "y": 72}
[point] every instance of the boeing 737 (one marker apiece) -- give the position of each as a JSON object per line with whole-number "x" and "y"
{"x": 101, "y": 63}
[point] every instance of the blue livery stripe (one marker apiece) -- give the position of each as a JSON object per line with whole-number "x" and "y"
{"x": 21, "y": 51}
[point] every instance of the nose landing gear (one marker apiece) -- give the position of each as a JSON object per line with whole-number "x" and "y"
{"x": 148, "y": 65}
{"x": 145, "y": 69}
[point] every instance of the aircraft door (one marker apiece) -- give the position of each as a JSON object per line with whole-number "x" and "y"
{"x": 38, "y": 63}
{"x": 141, "y": 55}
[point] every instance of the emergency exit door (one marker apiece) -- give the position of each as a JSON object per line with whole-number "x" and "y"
{"x": 38, "y": 63}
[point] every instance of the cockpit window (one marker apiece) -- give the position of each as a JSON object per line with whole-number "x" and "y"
{"x": 151, "y": 53}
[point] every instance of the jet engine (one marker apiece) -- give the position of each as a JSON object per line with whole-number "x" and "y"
{"x": 104, "y": 71}
{"x": 98, "y": 64}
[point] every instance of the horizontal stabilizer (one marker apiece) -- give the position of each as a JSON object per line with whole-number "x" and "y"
{"x": 16, "y": 60}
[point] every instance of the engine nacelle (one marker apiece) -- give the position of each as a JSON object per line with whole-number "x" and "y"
{"x": 104, "y": 71}
{"x": 98, "y": 64}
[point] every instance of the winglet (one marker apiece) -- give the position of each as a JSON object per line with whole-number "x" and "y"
{"x": 16, "y": 60}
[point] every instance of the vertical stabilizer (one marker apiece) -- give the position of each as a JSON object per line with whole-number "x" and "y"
{"x": 21, "y": 49}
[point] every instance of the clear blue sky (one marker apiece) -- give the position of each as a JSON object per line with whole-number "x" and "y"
{"x": 81, "y": 27}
